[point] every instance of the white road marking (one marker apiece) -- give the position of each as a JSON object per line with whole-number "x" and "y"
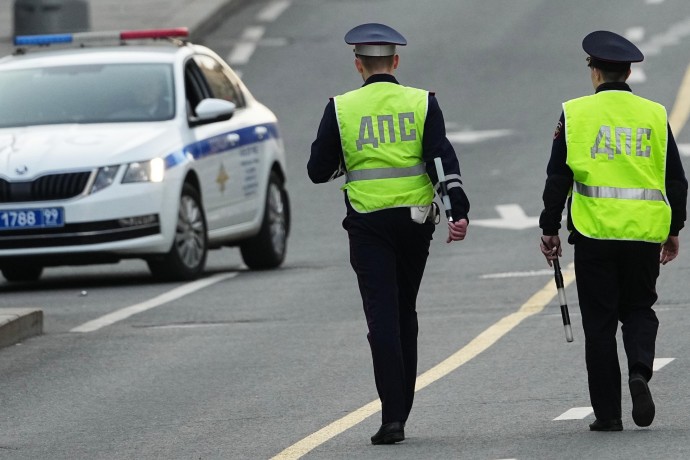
{"x": 472, "y": 137}
{"x": 635, "y": 34}
{"x": 482, "y": 342}
{"x": 653, "y": 2}
{"x": 546, "y": 272}
{"x": 637, "y": 75}
{"x": 672, "y": 36}
{"x": 169, "y": 296}
{"x": 513, "y": 217}
{"x": 576, "y": 413}
{"x": 273, "y": 10}
{"x": 684, "y": 149}
{"x": 242, "y": 52}
{"x": 661, "y": 362}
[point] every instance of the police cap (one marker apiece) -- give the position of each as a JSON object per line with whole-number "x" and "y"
{"x": 610, "y": 51}
{"x": 373, "y": 39}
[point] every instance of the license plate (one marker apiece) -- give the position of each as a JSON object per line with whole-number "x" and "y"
{"x": 32, "y": 218}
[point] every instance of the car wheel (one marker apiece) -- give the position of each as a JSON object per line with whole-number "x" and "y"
{"x": 268, "y": 248}
{"x": 22, "y": 273}
{"x": 187, "y": 256}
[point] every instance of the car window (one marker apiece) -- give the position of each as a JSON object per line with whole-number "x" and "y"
{"x": 194, "y": 86}
{"x": 92, "y": 93}
{"x": 219, "y": 80}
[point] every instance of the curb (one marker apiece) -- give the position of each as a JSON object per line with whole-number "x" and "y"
{"x": 17, "y": 324}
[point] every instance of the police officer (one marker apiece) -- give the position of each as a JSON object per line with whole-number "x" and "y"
{"x": 383, "y": 137}
{"x": 615, "y": 152}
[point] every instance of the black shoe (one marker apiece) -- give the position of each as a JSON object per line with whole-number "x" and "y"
{"x": 389, "y": 433}
{"x": 643, "y": 406}
{"x": 606, "y": 425}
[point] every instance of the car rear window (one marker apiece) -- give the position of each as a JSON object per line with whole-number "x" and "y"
{"x": 93, "y": 93}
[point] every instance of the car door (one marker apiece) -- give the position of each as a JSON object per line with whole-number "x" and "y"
{"x": 232, "y": 196}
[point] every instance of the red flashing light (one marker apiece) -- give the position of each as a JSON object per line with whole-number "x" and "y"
{"x": 154, "y": 33}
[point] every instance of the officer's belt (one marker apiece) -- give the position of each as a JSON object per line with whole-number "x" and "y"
{"x": 385, "y": 173}
{"x": 593, "y": 191}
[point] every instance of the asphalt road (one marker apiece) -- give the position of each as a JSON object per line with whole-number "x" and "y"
{"x": 260, "y": 361}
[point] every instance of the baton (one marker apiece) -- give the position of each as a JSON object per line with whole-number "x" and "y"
{"x": 444, "y": 190}
{"x": 561, "y": 298}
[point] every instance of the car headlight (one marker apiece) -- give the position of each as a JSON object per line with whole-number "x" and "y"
{"x": 104, "y": 177}
{"x": 145, "y": 171}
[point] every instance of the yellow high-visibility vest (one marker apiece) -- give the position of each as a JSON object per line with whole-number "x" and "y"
{"x": 381, "y": 130}
{"x": 616, "y": 144}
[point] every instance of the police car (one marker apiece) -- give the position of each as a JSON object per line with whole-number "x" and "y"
{"x": 134, "y": 144}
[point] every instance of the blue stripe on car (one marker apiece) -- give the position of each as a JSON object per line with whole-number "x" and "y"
{"x": 219, "y": 144}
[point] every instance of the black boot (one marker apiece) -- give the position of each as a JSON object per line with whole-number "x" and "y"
{"x": 606, "y": 425}
{"x": 389, "y": 433}
{"x": 643, "y": 407}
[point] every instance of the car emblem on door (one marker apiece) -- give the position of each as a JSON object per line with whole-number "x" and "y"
{"x": 22, "y": 170}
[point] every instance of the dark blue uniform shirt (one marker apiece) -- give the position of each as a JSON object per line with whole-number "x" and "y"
{"x": 327, "y": 161}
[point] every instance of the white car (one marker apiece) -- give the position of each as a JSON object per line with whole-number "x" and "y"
{"x": 151, "y": 149}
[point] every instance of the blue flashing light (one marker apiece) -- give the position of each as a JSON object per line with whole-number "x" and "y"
{"x": 42, "y": 39}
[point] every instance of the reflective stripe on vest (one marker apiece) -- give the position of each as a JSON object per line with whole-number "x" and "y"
{"x": 386, "y": 173}
{"x": 592, "y": 191}
{"x": 616, "y": 148}
{"x": 381, "y": 130}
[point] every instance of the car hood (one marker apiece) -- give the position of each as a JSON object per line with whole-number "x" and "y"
{"x": 29, "y": 152}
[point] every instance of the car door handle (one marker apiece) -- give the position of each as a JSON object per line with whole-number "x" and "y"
{"x": 233, "y": 138}
{"x": 260, "y": 132}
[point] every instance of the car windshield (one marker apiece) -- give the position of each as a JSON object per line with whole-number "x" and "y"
{"x": 93, "y": 93}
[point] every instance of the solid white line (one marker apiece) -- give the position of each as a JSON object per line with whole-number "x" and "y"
{"x": 576, "y": 413}
{"x": 653, "y": 2}
{"x": 684, "y": 149}
{"x": 274, "y": 9}
{"x": 661, "y": 362}
{"x": 482, "y": 342}
{"x": 169, "y": 296}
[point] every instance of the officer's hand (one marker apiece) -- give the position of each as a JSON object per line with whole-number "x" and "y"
{"x": 457, "y": 230}
{"x": 551, "y": 248}
{"x": 669, "y": 250}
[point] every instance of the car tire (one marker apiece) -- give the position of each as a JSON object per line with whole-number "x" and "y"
{"x": 268, "y": 248}
{"x": 187, "y": 256}
{"x": 22, "y": 273}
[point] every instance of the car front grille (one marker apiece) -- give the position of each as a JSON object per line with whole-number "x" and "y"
{"x": 44, "y": 188}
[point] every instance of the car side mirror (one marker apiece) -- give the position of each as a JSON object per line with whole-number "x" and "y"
{"x": 212, "y": 110}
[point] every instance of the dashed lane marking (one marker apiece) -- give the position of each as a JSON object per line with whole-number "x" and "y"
{"x": 482, "y": 342}
{"x": 576, "y": 413}
{"x": 684, "y": 149}
{"x": 661, "y": 362}
{"x": 242, "y": 52}
{"x": 273, "y": 10}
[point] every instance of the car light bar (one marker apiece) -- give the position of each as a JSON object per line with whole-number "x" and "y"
{"x": 86, "y": 37}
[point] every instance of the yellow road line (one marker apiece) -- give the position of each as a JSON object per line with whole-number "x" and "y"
{"x": 483, "y": 341}
{"x": 681, "y": 108}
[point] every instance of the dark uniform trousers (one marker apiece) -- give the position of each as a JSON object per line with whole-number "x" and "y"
{"x": 388, "y": 252}
{"x": 616, "y": 281}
